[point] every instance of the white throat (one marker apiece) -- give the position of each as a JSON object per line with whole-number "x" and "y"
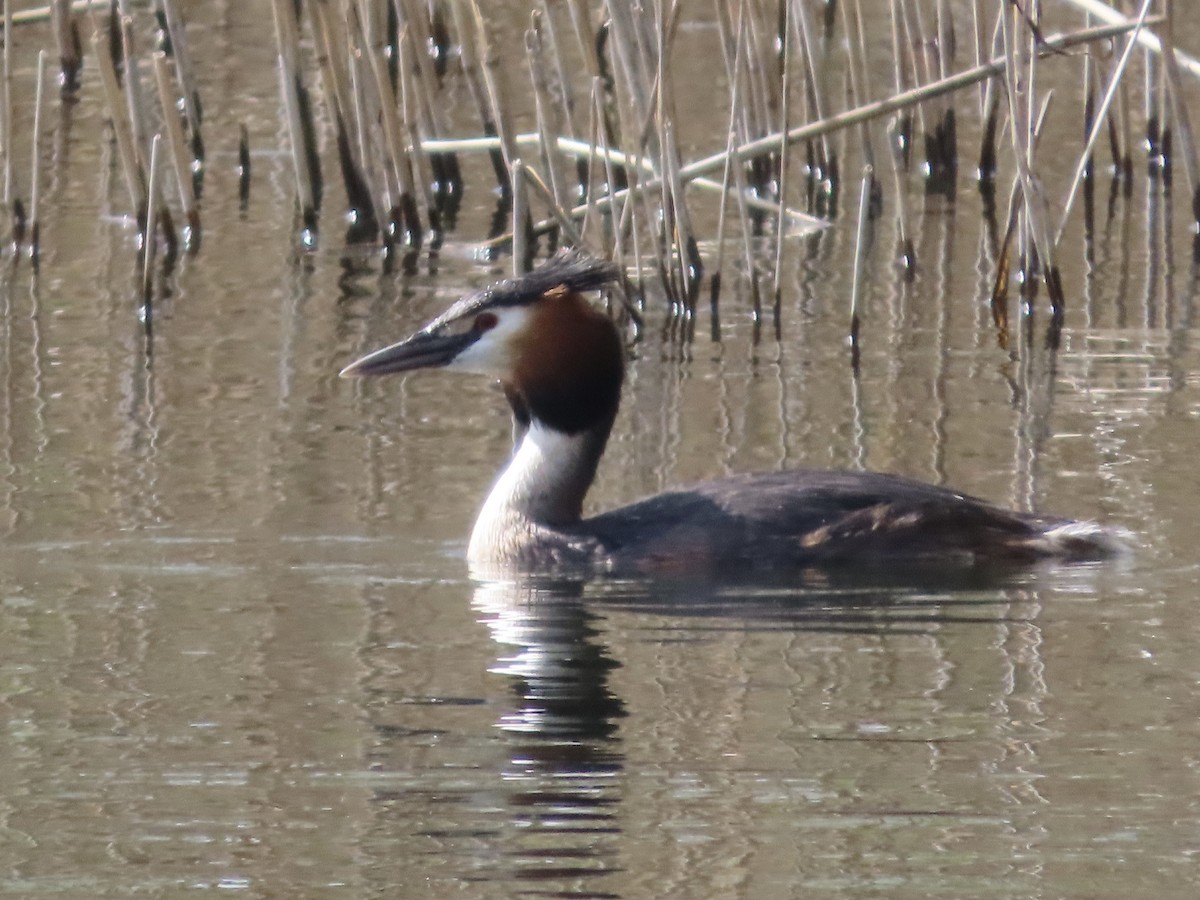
{"x": 542, "y": 487}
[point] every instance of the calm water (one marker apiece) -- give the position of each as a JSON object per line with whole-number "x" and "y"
{"x": 239, "y": 649}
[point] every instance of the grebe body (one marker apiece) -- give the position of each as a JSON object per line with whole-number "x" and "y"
{"x": 561, "y": 364}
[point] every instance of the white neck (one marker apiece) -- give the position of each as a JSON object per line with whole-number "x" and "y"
{"x": 542, "y": 487}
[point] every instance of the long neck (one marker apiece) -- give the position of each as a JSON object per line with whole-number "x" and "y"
{"x": 541, "y": 489}
{"x": 564, "y": 387}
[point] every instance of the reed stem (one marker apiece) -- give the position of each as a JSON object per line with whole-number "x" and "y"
{"x": 1100, "y": 117}
{"x": 35, "y": 222}
{"x": 178, "y": 146}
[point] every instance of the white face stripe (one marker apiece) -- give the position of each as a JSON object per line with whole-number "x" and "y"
{"x": 493, "y": 353}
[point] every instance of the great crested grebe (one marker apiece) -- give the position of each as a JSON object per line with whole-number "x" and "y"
{"x": 561, "y": 364}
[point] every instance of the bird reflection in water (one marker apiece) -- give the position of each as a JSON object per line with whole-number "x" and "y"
{"x": 563, "y": 779}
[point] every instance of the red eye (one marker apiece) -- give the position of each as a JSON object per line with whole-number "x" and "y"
{"x": 485, "y": 321}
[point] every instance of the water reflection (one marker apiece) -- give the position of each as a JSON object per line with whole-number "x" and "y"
{"x": 559, "y": 673}
{"x": 544, "y": 809}
{"x": 562, "y": 781}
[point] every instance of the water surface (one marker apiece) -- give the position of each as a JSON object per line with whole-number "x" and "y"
{"x": 239, "y": 648}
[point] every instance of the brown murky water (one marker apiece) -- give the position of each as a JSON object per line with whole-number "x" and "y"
{"x": 239, "y": 650}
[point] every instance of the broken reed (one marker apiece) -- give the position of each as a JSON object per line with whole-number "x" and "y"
{"x": 604, "y": 161}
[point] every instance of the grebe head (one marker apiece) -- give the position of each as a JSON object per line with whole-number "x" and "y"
{"x": 561, "y": 362}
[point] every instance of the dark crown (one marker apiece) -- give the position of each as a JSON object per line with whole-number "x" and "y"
{"x": 570, "y": 269}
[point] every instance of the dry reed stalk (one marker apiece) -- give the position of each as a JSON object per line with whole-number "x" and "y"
{"x": 633, "y": 74}
{"x": 11, "y": 202}
{"x": 1105, "y": 13}
{"x": 990, "y": 112}
{"x": 424, "y": 175}
{"x": 999, "y": 297}
{"x": 535, "y": 182}
{"x": 761, "y": 100}
{"x": 634, "y": 96}
{"x": 622, "y": 220}
{"x": 45, "y": 13}
{"x": 644, "y": 202}
{"x": 1179, "y": 111}
{"x": 357, "y": 27}
{"x": 906, "y": 250}
{"x": 1035, "y": 210}
{"x": 903, "y": 130}
{"x": 860, "y": 244}
{"x": 623, "y": 287}
{"x": 1151, "y": 115}
{"x": 118, "y": 112}
{"x": 821, "y": 164}
{"x": 637, "y": 96}
{"x": 494, "y": 83}
{"x": 940, "y": 153}
{"x": 181, "y": 56}
{"x": 581, "y": 25}
{"x": 415, "y": 28}
{"x": 900, "y": 132}
{"x": 721, "y": 12}
{"x": 179, "y": 150}
{"x": 899, "y": 143}
{"x": 1089, "y": 101}
{"x": 563, "y": 81}
{"x": 714, "y": 292}
{"x": 860, "y": 91}
{"x": 630, "y": 214}
{"x": 691, "y": 267}
{"x": 1118, "y": 132}
{"x": 471, "y": 70}
{"x": 35, "y": 222}
{"x": 134, "y": 99}
{"x": 406, "y": 215}
{"x": 734, "y": 168}
{"x": 656, "y": 32}
{"x": 986, "y": 170}
{"x": 305, "y": 162}
{"x": 545, "y": 110}
{"x": 914, "y": 40}
{"x": 116, "y": 48}
{"x": 1098, "y": 122}
{"x": 838, "y": 121}
{"x": 243, "y": 165}
{"x": 1121, "y": 136}
{"x": 150, "y": 248}
{"x": 617, "y": 223}
{"x": 638, "y": 209}
{"x": 590, "y": 212}
{"x": 377, "y": 173}
{"x": 580, "y": 150}
{"x": 439, "y": 37}
{"x": 334, "y": 63}
{"x": 947, "y": 129}
{"x": 980, "y": 52}
{"x": 691, "y": 264}
{"x": 66, "y": 38}
{"x": 522, "y": 258}
{"x": 788, "y": 53}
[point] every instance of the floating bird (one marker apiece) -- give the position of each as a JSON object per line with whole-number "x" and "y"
{"x": 561, "y": 364}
